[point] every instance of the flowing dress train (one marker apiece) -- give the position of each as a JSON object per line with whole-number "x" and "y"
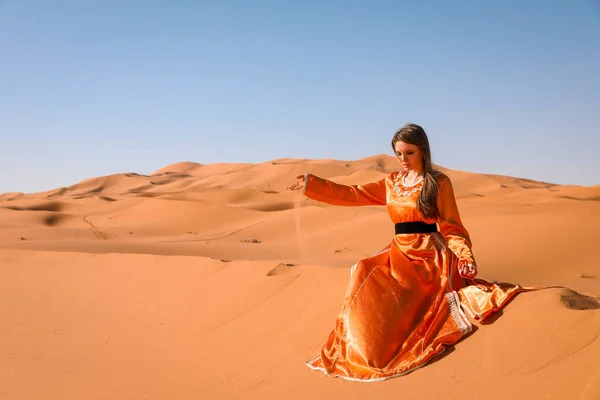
{"x": 406, "y": 303}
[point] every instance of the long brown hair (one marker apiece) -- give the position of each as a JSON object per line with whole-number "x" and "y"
{"x": 414, "y": 134}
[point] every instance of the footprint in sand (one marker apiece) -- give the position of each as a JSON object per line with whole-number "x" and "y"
{"x": 104, "y": 235}
{"x": 99, "y": 234}
{"x": 341, "y": 250}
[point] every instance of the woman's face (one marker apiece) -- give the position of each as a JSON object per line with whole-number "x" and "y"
{"x": 410, "y": 156}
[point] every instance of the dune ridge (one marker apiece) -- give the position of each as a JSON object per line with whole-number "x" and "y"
{"x": 212, "y": 281}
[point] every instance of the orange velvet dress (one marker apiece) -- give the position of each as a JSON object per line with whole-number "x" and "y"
{"x": 406, "y": 303}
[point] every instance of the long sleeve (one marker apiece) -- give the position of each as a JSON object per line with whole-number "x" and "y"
{"x": 451, "y": 226}
{"x": 329, "y": 192}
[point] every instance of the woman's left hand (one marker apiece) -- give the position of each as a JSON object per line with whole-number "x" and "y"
{"x": 467, "y": 270}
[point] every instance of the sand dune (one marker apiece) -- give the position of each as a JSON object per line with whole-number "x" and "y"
{"x": 211, "y": 281}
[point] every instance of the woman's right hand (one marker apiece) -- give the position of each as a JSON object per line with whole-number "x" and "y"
{"x": 298, "y": 185}
{"x": 467, "y": 269}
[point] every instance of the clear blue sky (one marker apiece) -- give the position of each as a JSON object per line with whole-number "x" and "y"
{"x": 94, "y": 88}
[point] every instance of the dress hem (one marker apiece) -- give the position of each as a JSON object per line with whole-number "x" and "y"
{"x": 367, "y": 380}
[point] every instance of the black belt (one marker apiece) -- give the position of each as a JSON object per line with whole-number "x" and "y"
{"x": 415, "y": 227}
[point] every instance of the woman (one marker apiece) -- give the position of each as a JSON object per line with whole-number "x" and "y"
{"x": 404, "y": 304}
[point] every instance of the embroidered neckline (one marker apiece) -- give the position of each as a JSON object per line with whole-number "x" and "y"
{"x": 401, "y": 190}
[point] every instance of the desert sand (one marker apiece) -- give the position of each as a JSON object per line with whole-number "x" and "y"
{"x": 213, "y": 282}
